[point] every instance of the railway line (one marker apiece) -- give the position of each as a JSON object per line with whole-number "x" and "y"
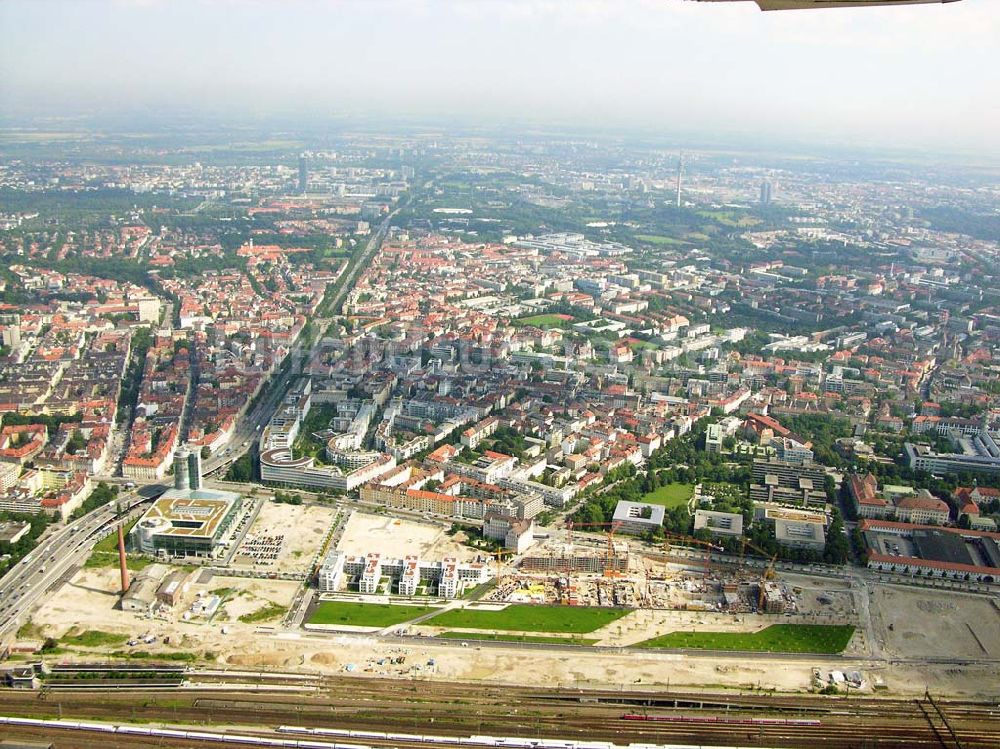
{"x": 456, "y": 710}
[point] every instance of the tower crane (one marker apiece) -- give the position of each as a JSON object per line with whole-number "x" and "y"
{"x": 708, "y": 545}
{"x": 767, "y": 574}
{"x": 609, "y": 568}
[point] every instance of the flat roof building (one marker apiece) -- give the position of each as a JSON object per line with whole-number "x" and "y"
{"x": 637, "y": 518}
{"x": 719, "y": 523}
{"x": 186, "y": 523}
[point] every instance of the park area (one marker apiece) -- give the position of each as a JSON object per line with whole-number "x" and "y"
{"x": 778, "y": 638}
{"x": 529, "y": 618}
{"x": 346, "y": 613}
{"x": 670, "y": 496}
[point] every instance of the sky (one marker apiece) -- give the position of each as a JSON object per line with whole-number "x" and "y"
{"x": 925, "y": 76}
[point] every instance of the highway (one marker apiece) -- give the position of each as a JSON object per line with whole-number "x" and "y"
{"x": 60, "y": 550}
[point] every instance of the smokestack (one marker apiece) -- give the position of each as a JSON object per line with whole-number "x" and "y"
{"x": 121, "y": 558}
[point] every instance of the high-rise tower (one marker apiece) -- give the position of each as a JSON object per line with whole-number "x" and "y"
{"x": 680, "y": 172}
{"x": 766, "y": 192}
{"x": 303, "y": 174}
{"x": 194, "y": 469}
{"x": 181, "y": 468}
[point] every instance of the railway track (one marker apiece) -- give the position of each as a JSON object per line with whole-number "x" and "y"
{"x": 462, "y": 710}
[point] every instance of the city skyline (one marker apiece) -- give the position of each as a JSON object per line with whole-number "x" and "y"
{"x": 675, "y": 66}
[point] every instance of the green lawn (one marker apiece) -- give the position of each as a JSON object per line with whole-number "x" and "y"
{"x": 100, "y": 559}
{"x": 546, "y": 321}
{"x": 110, "y": 543}
{"x": 270, "y": 611}
{"x": 528, "y": 618}
{"x": 638, "y": 345}
{"x": 365, "y": 614}
{"x": 671, "y": 495}
{"x": 658, "y": 239}
{"x": 93, "y": 638}
{"x": 515, "y": 638}
{"x": 778, "y": 638}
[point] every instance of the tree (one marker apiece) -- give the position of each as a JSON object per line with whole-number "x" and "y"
{"x": 76, "y": 443}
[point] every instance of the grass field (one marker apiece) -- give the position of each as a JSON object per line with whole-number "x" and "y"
{"x": 659, "y": 239}
{"x": 93, "y": 638}
{"x": 546, "y": 321}
{"x": 778, "y": 638}
{"x": 110, "y": 559}
{"x": 671, "y": 495}
{"x": 638, "y": 345}
{"x": 270, "y": 611}
{"x": 515, "y": 638}
{"x": 528, "y": 618}
{"x": 110, "y": 543}
{"x": 365, "y": 614}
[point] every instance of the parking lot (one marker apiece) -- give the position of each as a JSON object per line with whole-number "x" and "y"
{"x": 283, "y": 537}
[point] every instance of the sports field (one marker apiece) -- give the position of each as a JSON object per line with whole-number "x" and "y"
{"x": 516, "y": 638}
{"x": 546, "y": 321}
{"x": 778, "y": 638}
{"x": 659, "y": 239}
{"x": 365, "y": 614}
{"x": 671, "y": 495}
{"x": 528, "y": 618}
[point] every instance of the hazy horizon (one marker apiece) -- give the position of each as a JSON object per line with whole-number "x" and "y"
{"x": 918, "y": 76}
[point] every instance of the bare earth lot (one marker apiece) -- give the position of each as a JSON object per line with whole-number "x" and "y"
{"x": 303, "y": 527}
{"x": 935, "y": 623}
{"x": 926, "y": 623}
{"x": 395, "y": 538}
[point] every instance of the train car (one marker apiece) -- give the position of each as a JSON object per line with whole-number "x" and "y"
{"x": 99, "y": 727}
{"x": 200, "y": 736}
{"x": 136, "y": 730}
{"x": 169, "y": 733}
{"x": 293, "y": 729}
{"x": 359, "y": 734}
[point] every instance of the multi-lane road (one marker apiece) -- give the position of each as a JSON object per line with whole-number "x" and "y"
{"x": 59, "y": 551}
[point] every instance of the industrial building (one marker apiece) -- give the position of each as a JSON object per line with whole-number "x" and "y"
{"x": 930, "y": 551}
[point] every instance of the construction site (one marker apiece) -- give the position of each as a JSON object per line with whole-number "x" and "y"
{"x": 581, "y": 569}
